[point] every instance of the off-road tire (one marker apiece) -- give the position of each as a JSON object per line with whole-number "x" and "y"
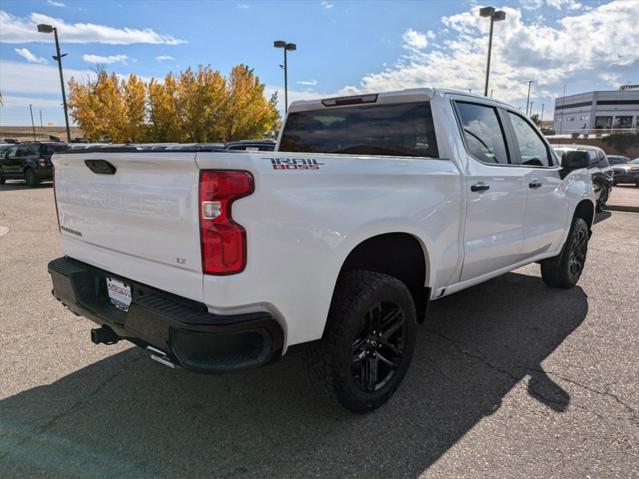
{"x": 564, "y": 270}
{"x": 332, "y": 363}
{"x": 603, "y": 199}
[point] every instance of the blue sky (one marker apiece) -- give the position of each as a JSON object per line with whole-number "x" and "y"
{"x": 343, "y": 47}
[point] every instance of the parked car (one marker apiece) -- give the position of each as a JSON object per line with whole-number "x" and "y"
{"x": 623, "y": 170}
{"x": 600, "y": 169}
{"x": 370, "y": 207}
{"x": 251, "y": 145}
{"x": 30, "y": 161}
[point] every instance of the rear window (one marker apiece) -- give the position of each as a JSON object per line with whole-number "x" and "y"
{"x": 51, "y": 149}
{"x": 398, "y": 129}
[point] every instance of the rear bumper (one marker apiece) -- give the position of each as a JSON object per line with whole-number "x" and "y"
{"x": 183, "y": 329}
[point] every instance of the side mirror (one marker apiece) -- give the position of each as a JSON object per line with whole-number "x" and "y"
{"x": 575, "y": 160}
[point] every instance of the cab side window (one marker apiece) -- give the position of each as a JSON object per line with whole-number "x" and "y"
{"x": 483, "y": 133}
{"x": 532, "y": 149}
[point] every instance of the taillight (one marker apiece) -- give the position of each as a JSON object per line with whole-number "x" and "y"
{"x": 55, "y": 196}
{"x": 223, "y": 240}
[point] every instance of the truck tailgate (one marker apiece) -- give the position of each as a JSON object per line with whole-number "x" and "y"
{"x": 140, "y": 222}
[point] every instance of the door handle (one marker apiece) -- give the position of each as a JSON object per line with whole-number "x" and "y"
{"x": 479, "y": 187}
{"x": 535, "y": 184}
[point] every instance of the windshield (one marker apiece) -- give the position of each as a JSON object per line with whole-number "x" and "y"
{"x": 635, "y": 161}
{"x": 397, "y": 129}
{"x": 618, "y": 160}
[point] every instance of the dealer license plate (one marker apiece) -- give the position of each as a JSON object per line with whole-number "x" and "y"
{"x": 119, "y": 294}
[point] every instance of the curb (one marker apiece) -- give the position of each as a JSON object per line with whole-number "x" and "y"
{"x": 625, "y": 208}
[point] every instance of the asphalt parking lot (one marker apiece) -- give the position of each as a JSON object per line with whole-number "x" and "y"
{"x": 510, "y": 379}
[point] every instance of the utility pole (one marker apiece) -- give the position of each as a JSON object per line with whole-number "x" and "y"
{"x": 561, "y": 116}
{"x": 495, "y": 16}
{"x": 32, "y": 123}
{"x": 530, "y": 82}
{"x": 43, "y": 28}
{"x": 542, "y": 113}
{"x": 288, "y": 47}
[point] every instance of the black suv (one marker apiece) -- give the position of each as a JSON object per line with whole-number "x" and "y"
{"x": 28, "y": 161}
{"x": 599, "y": 168}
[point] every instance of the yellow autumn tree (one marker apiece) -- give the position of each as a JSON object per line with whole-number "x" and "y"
{"x": 165, "y": 124}
{"x": 134, "y": 97}
{"x": 247, "y": 113}
{"x": 194, "y": 106}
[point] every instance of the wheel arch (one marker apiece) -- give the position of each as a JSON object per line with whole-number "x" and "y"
{"x": 398, "y": 254}
{"x": 585, "y": 210}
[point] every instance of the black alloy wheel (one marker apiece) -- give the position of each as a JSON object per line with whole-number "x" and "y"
{"x": 577, "y": 258}
{"x": 379, "y": 347}
{"x": 368, "y": 343}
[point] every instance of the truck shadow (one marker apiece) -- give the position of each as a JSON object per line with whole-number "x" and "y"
{"x": 128, "y": 416}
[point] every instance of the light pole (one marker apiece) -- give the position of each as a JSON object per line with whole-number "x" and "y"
{"x": 530, "y": 82}
{"x": 288, "y": 47}
{"x": 495, "y": 16}
{"x": 43, "y": 28}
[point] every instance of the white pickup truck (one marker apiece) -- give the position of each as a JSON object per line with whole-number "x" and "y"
{"x": 370, "y": 207}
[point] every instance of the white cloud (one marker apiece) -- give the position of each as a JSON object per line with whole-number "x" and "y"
{"x": 13, "y": 101}
{"x": 557, "y": 4}
{"x": 108, "y": 60}
{"x": 28, "y": 78}
{"x": 30, "y": 57}
{"x": 24, "y": 30}
{"x": 164, "y": 58}
{"x": 307, "y": 82}
{"x": 53, "y": 3}
{"x": 579, "y": 44}
{"x": 327, "y": 5}
{"x": 243, "y": 6}
{"x": 17, "y": 77}
{"x": 414, "y": 40}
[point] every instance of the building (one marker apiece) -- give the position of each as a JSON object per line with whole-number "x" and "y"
{"x": 598, "y": 110}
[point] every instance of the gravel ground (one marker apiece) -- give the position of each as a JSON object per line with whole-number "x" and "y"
{"x": 510, "y": 379}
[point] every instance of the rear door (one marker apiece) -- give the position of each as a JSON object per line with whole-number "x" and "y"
{"x": 140, "y": 221}
{"x": 9, "y": 161}
{"x": 546, "y": 208}
{"x": 493, "y": 237}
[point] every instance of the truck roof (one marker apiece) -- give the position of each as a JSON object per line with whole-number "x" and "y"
{"x": 397, "y": 96}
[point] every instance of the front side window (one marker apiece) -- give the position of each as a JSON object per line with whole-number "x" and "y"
{"x": 483, "y": 133}
{"x": 532, "y": 149}
{"x": 396, "y": 129}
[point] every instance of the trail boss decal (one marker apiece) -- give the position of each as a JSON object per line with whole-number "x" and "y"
{"x": 282, "y": 163}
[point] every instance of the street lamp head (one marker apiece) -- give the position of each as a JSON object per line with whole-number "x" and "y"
{"x": 487, "y": 11}
{"x": 44, "y": 28}
{"x": 279, "y": 44}
{"x": 499, "y": 16}
{"x": 291, "y": 46}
